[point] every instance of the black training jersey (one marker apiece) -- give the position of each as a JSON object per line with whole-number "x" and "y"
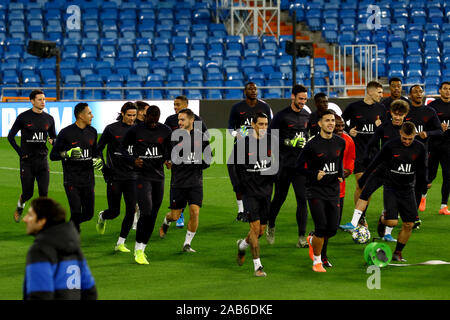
{"x": 254, "y": 176}
{"x": 172, "y": 122}
{"x": 191, "y": 154}
{"x": 443, "y": 112}
{"x": 113, "y": 136}
{"x": 403, "y": 163}
{"x": 363, "y": 116}
{"x": 326, "y": 155}
{"x": 425, "y": 119}
{"x": 152, "y": 145}
{"x": 387, "y": 102}
{"x": 34, "y": 128}
{"x": 77, "y": 172}
{"x": 290, "y": 124}
{"x": 242, "y": 114}
{"x": 382, "y": 134}
{"x": 313, "y": 124}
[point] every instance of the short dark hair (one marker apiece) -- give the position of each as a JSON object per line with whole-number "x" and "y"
{"x": 442, "y": 84}
{"x": 394, "y": 79}
{"x": 400, "y": 106}
{"x": 413, "y": 86}
{"x": 153, "y": 113}
{"x": 34, "y": 93}
{"x": 188, "y": 112}
{"x": 182, "y": 98}
{"x": 298, "y": 88}
{"x": 320, "y": 95}
{"x": 141, "y": 105}
{"x": 49, "y": 209}
{"x": 408, "y": 128}
{"x": 249, "y": 83}
{"x": 79, "y": 108}
{"x": 259, "y": 115}
{"x": 127, "y": 106}
{"x": 328, "y": 111}
{"x": 374, "y": 84}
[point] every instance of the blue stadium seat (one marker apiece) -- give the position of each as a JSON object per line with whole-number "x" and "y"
{"x": 433, "y": 70}
{"x": 432, "y": 81}
{"x": 273, "y": 93}
{"x": 176, "y": 90}
{"x": 414, "y": 70}
{"x": 234, "y": 93}
{"x": 134, "y": 95}
{"x": 194, "y": 77}
{"x": 431, "y": 90}
{"x": 103, "y": 68}
{"x": 396, "y": 70}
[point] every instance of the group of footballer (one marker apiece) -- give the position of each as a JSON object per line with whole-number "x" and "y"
{"x": 397, "y": 143}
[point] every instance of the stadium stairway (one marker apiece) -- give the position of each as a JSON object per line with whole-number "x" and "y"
{"x": 322, "y": 49}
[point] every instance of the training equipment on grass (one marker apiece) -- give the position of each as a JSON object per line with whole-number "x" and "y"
{"x": 361, "y": 234}
{"x": 425, "y": 263}
{"x": 378, "y": 254}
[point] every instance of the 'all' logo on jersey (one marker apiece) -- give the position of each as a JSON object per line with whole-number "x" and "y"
{"x": 262, "y": 164}
{"x": 368, "y": 127}
{"x": 38, "y": 136}
{"x": 404, "y": 167}
{"x": 329, "y": 167}
{"x": 419, "y": 128}
{"x": 151, "y": 152}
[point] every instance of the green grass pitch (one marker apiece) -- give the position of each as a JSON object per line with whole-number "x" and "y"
{"x": 212, "y": 272}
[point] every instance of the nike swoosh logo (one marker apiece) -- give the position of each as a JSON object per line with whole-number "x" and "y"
{"x": 242, "y": 112}
{"x": 320, "y": 154}
{"x": 74, "y": 142}
{"x": 396, "y": 155}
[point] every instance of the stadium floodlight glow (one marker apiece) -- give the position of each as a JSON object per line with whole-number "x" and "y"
{"x": 47, "y": 49}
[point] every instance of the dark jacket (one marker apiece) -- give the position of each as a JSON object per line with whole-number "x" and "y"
{"x": 56, "y": 268}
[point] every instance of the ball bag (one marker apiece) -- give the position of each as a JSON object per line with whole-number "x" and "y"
{"x": 378, "y": 254}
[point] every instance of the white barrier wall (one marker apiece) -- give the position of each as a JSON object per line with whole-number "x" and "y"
{"x": 105, "y": 112}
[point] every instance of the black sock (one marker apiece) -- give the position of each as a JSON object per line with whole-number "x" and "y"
{"x": 399, "y": 247}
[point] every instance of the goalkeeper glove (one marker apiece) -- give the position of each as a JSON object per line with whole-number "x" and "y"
{"x": 74, "y": 153}
{"x": 297, "y": 142}
{"x": 97, "y": 163}
{"x": 243, "y": 131}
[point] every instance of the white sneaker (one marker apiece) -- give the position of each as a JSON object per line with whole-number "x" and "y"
{"x": 270, "y": 235}
{"x": 187, "y": 248}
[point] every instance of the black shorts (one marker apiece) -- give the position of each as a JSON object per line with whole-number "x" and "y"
{"x": 257, "y": 208}
{"x": 359, "y": 166}
{"x": 180, "y": 197}
{"x": 374, "y": 182}
{"x": 325, "y": 214}
{"x": 400, "y": 202}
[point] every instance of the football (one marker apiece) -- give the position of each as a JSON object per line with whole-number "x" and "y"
{"x": 361, "y": 234}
